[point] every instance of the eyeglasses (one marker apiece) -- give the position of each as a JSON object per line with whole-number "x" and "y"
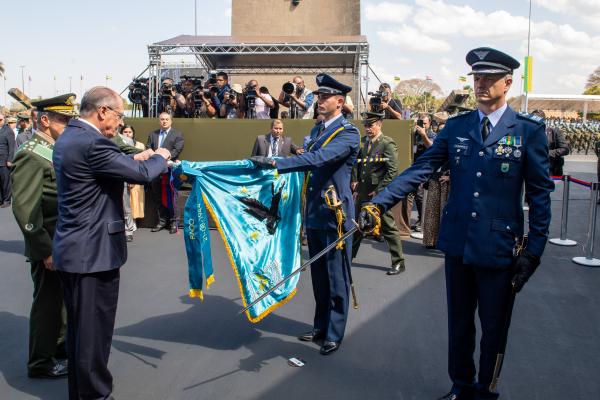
{"x": 119, "y": 115}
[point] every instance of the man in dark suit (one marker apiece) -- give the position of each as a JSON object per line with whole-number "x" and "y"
{"x": 328, "y": 161}
{"x": 7, "y": 152}
{"x": 168, "y": 138}
{"x": 89, "y": 243}
{"x": 491, "y": 153}
{"x": 275, "y": 144}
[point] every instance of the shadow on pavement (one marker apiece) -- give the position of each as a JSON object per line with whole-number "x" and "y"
{"x": 12, "y": 246}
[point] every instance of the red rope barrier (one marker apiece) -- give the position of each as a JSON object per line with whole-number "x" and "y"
{"x": 580, "y": 182}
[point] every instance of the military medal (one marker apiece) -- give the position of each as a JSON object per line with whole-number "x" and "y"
{"x": 499, "y": 150}
{"x": 508, "y": 150}
{"x": 518, "y": 144}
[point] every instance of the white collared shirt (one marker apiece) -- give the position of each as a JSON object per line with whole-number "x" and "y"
{"x": 90, "y": 124}
{"x": 494, "y": 117}
{"x": 332, "y": 120}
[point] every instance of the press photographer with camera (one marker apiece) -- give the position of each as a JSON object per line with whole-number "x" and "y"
{"x": 383, "y": 101}
{"x": 230, "y": 107}
{"x": 298, "y": 98}
{"x": 222, "y": 84}
{"x": 423, "y": 139}
{"x": 256, "y": 102}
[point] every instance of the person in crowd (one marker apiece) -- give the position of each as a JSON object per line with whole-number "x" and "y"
{"x": 35, "y": 209}
{"x": 89, "y": 242}
{"x": 597, "y": 151}
{"x": 377, "y": 166}
{"x": 558, "y": 146}
{"x": 423, "y": 139}
{"x": 230, "y": 107}
{"x": 256, "y": 101}
{"x": 7, "y": 151}
{"x": 392, "y": 108}
{"x": 348, "y": 109}
{"x": 299, "y": 101}
{"x": 275, "y": 144}
{"x": 492, "y": 152}
{"x": 136, "y": 191}
{"x": 171, "y": 139}
{"x": 224, "y": 89}
{"x": 328, "y": 160}
{"x": 438, "y": 188}
{"x": 26, "y": 132}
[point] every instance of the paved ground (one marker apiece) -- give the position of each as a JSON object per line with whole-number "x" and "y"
{"x": 167, "y": 346}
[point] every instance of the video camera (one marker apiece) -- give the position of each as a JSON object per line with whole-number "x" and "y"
{"x": 376, "y": 100}
{"x": 138, "y": 91}
{"x": 290, "y": 87}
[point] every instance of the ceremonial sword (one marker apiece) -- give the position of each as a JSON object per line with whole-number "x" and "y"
{"x": 314, "y": 258}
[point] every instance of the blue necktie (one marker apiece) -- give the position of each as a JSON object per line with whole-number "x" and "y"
{"x": 161, "y": 138}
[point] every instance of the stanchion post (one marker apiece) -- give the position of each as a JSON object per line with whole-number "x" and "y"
{"x": 588, "y": 260}
{"x": 564, "y": 218}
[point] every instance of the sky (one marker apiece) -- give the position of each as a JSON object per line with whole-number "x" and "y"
{"x": 60, "y": 42}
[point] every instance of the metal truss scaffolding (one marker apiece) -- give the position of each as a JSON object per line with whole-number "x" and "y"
{"x": 264, "y": 55}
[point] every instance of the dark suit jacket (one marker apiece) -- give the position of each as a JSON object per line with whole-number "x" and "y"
{"x": 173, "y": 142}
{"x": 90, "y": 171}
{"x": 285, "y": 146}
{"x": 7, "y": 145}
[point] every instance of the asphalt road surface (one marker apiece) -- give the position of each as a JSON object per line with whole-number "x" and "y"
{"x": 167, "y": 346}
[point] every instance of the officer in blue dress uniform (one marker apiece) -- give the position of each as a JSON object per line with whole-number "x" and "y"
{"x": 329, "y": 158}
{"x": 491, "y": 152}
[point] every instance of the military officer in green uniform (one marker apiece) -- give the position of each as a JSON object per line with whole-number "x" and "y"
{"x": 35, "y": 209}
{"x": 377, "y": 166}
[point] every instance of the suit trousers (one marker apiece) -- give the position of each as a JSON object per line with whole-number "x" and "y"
{"x": 469, "y": 288}
{"x": 5, "y": 185}
{"x": 47, "y": 322}
{"x": 91, "y": 302}
{"x": 330, "y": 283}
{"x": 165, "y": 215}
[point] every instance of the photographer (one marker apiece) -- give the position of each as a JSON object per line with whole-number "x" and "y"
{"x": 256, "y": 103}
{"x": 297, "y": 98}
{"x": 231, "y": 101}
{"x": 383, "y": 101}
{"x": 423, "y": 139}
{"x": 222, "y": 84}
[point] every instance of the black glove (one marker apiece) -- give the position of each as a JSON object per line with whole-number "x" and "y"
{"x": 262, "y": 162}
{"x": 369, "y": 218}
{"x": 525, "y": 266}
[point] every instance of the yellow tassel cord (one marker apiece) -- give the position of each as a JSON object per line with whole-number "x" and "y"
{"x": 239, "y": 282}
{"x": 209, "y": 281}
{"x": 374, "y": 211}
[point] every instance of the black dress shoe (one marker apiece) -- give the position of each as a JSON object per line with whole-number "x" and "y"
{"x": 173, "y": 229}
{"x": 329, "y": 347}
{"x": 157, "y": 228}
{"x": 312, "y": 336}
{"x": 397, "y": 268}
{"x": 455, "y": 396}
{"x": 59, "y": 370}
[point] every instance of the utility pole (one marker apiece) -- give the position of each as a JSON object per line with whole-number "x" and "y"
{"x": 22, "y": 78}
{"x": 195, "y": 17}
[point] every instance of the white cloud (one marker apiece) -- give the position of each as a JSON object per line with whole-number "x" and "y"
{"x": 574, "y": 82}
{"x": 388, "y": 12}
{"x": 440, "y": 18}
{"x": 446, "y": 72}
{"x": 402, "y": 60}
{"x": 382, "y": 74}
{"x": 589, "y": 10}
{"x": 410, "y": 38}
{"x": 446, "y": 61}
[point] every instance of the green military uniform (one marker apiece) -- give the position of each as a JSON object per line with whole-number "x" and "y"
{"x": 124, "y": 147}
{"x": 36, "y": 210}
{"x": 377, "y": 166}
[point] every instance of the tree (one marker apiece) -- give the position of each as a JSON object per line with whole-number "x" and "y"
{"x": 593, "y": 79}
{"x": 593, "y": 90}
{"x": 418, "y": 87}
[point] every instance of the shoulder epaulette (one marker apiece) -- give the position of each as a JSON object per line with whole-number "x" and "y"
{"x": 533, "y": 118}
{"x": 460, "y": 114}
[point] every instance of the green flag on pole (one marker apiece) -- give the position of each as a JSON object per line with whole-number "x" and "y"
{"x": 527, "y": 74}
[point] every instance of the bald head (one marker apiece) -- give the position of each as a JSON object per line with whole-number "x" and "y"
{"x": 97, "y": 97}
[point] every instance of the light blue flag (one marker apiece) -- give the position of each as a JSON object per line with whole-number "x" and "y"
{"x": 257, "y": 213}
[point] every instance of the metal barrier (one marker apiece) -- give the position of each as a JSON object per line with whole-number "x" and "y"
{"x": 563, "y": 241}
{"x": 588, "y": 260}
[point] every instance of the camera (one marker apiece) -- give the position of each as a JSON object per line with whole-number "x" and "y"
{"x": 138, "y": 91}
{"x": 376, "y": 100}
{"x": 420, "y": 123}
{"x": 288, "y": 88}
